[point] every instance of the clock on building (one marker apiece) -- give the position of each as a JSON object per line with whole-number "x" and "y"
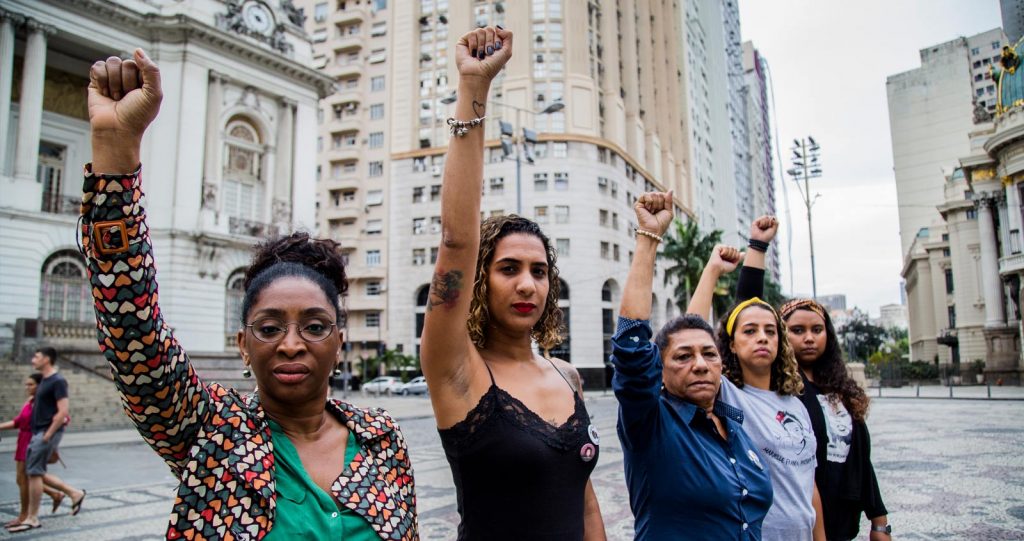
{"x": 258, "y": 18}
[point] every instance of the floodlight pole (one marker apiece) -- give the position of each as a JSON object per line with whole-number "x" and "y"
{"x": 806, "y": 167}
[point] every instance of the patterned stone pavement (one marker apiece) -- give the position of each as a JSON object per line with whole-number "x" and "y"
{"x": 949, "y": 469}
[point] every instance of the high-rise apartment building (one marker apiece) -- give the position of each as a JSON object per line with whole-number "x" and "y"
{"x": 712, "y": 165}
{"x": 352, "y": 43}
{"x": 600, "y": 83}
{"x": 762, "y": 163}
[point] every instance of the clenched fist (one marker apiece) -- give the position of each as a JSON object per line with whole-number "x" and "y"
{"x": 724, "y": 259}
{"x": 764, "y": 228}
{"x": 124, "y": 96}
{"x": 654, "y": 212}
{"x": 481, "y": 53}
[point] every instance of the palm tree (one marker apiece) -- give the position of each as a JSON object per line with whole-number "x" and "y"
{"x": 688, "y": 249}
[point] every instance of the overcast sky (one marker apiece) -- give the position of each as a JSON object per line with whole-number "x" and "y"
{"x": 829, "y": 60}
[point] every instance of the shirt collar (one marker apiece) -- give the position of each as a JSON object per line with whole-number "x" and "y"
{"x": 688, "y": 411}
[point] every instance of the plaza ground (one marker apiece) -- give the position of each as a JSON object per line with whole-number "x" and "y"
{"x": 949, "y": 469}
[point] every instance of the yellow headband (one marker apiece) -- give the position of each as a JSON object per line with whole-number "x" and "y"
{"x": 739, "y": 308}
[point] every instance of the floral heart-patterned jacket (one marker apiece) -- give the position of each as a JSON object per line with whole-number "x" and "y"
{"x": 216, "y": 441}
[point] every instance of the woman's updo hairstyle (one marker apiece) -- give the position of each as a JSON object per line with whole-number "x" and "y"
{"x": 298, "y": 255}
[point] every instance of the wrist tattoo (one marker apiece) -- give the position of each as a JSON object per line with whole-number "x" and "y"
{"x": 479, "y": 109}
{"x": 445, "y": 288}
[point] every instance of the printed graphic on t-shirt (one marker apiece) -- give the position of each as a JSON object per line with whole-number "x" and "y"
{"x": 793, "y": 446}
{"x": 839, "y": 427}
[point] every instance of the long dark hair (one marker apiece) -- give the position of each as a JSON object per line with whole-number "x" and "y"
{"x": 549, "y": 331}
{"x": 829, "y": 370}
{"x": 785, "y": 375}
{"x": 317, "y": 260}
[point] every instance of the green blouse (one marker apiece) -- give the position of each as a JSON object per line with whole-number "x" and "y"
{"x": 304, "y": 510}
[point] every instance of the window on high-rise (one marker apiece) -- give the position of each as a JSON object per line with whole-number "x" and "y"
{"x": 376, "y": 139}
{"x": 949, "y": 281}
{"x": 377, "y": 83}
{"x": 540, "y": 182}
{"x": 559, "y": 149}
{"x": 561, "y": 214}
{"x": 376, "y": 169}
{"x": 540, "y": 214}
{"x": 562, "y": 247}
{"x": 377, "y": 111}
{"x": 320, "y": 12}
{"x": 373, "y": 258}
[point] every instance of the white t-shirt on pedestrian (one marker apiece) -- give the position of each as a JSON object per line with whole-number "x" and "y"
{"x": 781, "y": 429}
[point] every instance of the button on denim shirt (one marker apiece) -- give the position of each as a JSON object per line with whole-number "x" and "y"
{"x": 685, "y": 481}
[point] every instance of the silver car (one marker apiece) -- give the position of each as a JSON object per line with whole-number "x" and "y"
{"x": 417, "y": 385}
{"x": 383, "y": 385}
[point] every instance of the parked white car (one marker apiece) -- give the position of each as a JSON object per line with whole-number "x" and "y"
{"x": 383, "y": 385}
{"x": 415, "y": 386}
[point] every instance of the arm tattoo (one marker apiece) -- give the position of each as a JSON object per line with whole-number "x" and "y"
{"x": 479, "y": 109}
{"x": 445, "y": 289}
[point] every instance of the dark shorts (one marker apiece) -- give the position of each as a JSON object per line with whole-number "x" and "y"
{"x": 38, "y": 453}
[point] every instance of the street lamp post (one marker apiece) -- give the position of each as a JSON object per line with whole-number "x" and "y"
{"x": 510, "y": 141}
{"x": 806, "y": 165}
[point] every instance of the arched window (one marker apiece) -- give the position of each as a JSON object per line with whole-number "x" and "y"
{"x": 422, "y": 297}
{"x": 243, "y": 170}
{"x": 64, "y": 291}
{"x": 234, "y": 294}
{"x": 564, "y": 350}
{"x": 609, "y": 296}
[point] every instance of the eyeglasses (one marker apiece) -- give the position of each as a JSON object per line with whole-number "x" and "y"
{"x": 271, "y": 330}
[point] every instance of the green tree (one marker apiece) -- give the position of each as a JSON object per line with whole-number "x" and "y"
{"x": 688, "y": 249}
{"x": 391, "y": 361}
{"x": 862, "y": 338}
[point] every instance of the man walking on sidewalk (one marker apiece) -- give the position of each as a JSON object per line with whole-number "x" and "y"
{"x": 49, "y": 414}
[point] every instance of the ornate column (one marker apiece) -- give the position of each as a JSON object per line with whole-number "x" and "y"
{"x": 281, "y": 205}
{"x": 30, "y": 110}
{"x": 991, "y": 286}
{"x": 8, "y": 21}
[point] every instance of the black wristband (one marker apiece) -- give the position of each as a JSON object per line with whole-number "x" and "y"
{"x": 759, "y": 245}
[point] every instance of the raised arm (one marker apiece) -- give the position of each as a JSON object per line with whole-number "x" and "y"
{"x": 723, "y": 260}
{"x": 751, "y": 279}
{"x": 159, "y": 389}
{"x": 479, "y": 55}
{"x": 637, "y": 378}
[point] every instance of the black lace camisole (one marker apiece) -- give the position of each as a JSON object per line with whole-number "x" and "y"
{"x": 518, "y": 477}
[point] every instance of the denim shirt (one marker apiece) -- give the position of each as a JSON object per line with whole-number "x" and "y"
{"x": 685, "y": 481}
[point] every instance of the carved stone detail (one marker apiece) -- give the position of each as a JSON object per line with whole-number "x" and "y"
{"x": 281, "y": 211}
{"x": 209, "y": 195}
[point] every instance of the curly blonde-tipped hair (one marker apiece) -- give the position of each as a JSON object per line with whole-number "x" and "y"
{"x": 785, "y": 373}
{"x": 548, "y": 331}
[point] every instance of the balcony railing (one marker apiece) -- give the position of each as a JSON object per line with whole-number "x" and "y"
{"x": 68, "y": 331}
{"x": 62, "y": 204}
{"x": 251, "y": 228}
{"x": 1011, "y": 263}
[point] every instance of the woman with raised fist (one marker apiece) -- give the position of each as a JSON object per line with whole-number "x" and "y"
{"x": 284, "y": 462}
{"x": 513, "y": 423}
{"x": 692, "y": 470}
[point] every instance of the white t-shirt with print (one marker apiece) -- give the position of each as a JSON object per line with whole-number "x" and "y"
{"x": 781, "y": 428}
